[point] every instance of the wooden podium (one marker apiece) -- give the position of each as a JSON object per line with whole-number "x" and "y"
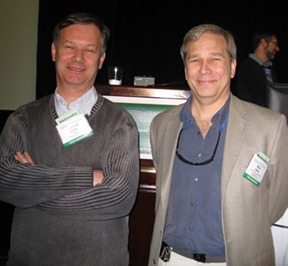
{"x": 143, "y": 214}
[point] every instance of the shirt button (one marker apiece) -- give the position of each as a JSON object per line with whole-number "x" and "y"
{"x": 191, "y": 229}
{"x": 196, "y": 179}
{"x": 192, "y": 204}
{"x": 199, "y": 155}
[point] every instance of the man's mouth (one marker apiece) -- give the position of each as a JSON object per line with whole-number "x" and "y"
{"x": 76, "y": 69}
{"x": 205, "y": 81}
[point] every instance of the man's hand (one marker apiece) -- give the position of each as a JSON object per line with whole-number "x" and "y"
{"x": 97, "y": 177}
{"x": 24, "y": 158}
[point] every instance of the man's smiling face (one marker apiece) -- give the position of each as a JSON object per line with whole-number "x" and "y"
{"x": 78, "y": 57}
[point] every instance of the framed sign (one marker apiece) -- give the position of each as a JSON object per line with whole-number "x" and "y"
{"x": 144, "y": 104}
{"x": 143, "y": 110}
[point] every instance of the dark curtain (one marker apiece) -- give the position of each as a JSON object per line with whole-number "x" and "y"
{"x": 146, "y": 35}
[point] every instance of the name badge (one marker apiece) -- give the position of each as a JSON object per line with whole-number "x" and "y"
{"x": 268, "y": 74}
{"x": 257, "y": 168}
{"x": 73, "y": 127}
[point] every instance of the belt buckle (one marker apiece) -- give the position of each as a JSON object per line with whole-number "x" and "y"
{"x": 199, "y": 257}
{"x": 165, "y": 253}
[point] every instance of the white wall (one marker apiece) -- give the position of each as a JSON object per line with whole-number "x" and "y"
{"x": 18, "y": 50}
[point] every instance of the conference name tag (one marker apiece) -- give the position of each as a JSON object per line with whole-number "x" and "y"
{"x": 73, "y": 127}
{"x": 257, "y": 168}
{"x": 268, "y": 74}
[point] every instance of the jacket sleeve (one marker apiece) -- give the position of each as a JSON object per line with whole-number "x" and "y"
{"x": 278, "y": 171}
{"x": 153, "y": 144}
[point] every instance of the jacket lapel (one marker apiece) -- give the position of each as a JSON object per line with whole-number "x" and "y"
{"x": 235, "y": 135}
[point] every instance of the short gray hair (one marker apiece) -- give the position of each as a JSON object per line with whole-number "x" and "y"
{"x": 84, "y": 19}
{"x": 195, "y": 33}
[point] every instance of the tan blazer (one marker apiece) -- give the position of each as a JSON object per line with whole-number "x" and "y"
{"x": 248, "y": 211}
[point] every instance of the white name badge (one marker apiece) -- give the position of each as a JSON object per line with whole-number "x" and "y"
{"x": 74, "y": 129}
{"x": 257, "y": 168}
{"x": 67, "y": 116}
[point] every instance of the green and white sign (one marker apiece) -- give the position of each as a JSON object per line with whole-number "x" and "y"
{"x": 143, "y": 110}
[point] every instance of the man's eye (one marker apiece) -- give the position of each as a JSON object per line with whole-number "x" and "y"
{"x": 218, "y": 58}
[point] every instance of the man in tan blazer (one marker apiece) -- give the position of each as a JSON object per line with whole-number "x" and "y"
{"x": 221, "y": 164}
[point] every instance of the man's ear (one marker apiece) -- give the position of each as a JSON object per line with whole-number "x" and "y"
{"x": 102, "y": 58}
{"x": 233, "y": 68}
{"x": 53, "y": 52}
{"x": 263, "y": 43}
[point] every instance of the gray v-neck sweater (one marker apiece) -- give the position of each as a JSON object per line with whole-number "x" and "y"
{"x": 60, "y": 218}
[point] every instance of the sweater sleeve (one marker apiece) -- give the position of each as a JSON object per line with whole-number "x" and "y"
{"x": 24, "y": 185}
{"x": 115, "y": 196}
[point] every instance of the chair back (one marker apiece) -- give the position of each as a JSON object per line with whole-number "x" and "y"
{"x": 276, "y": 97}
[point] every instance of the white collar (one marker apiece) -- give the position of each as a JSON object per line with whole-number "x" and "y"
{"x": 83, "y": 104}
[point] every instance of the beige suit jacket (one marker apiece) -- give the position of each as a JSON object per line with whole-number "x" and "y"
{"x": 248, "y": 211}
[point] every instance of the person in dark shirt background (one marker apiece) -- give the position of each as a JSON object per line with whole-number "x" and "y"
{"x": 257, "y": 69}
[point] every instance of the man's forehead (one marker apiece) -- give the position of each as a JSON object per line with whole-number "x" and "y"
{"x": 88, "y": 33}
{"x": 80, "y": 28}
{"x": 210, "y": 43}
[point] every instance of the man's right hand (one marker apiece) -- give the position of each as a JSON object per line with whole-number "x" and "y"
{"x": 97, "y": 177}
{"x": 24, "y": 158}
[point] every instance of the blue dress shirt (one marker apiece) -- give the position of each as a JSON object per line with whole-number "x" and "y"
{"x": 194, "y": 223}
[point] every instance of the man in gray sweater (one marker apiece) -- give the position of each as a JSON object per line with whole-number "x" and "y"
{"x": 69, "y": 162}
